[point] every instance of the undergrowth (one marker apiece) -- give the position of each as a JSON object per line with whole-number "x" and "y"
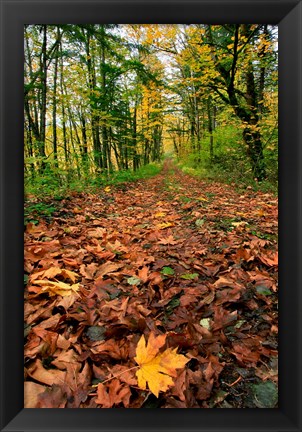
{"x": 239, "y": 177}
{"x": 43, "y": 195}
{"x": 58, "y": 187}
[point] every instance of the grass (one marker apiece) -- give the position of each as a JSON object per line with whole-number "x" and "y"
{"x": 236, "y": 178}
{"x": 50, "y": 186}
{"x": 43, "y": 196}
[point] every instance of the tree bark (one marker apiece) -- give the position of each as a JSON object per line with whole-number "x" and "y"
{"x": 41, "y": 143}
{"x": 54, "y": 105}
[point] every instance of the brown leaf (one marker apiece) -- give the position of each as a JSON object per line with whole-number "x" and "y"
{"x": 49, "y": 337}
{"x": 67, "y": 301}
{"x": 63, "y": 343}
{"x": 65, "y": 358}
{"x": 223, "y": 318}
{"x": 88, "y": 271}
{"x": 112, "y": 348}
{"x": 31, "y": 392}
{"x": 51, "y": 322}
{"x": 270, "y": 260}
{"x": 143, "y": 274}
{"x": 180, "y": 386}
{"x": 107, "y": 268}
{"x": 53, "y": 397}
{"x": 48, "y": 377}
{"x": 125, "y": 375}
{"x": 113, "y": 393}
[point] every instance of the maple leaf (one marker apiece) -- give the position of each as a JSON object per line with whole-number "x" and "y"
{"x": 164, "y": 225}
{"x": 157, "y": 369}
{"x": 167, "y": 240}
{"x": 52, "y": 272}
{"x": 57, "y": 288}
{"x": 160, "y": 214}
{"x": 31, "y": 393}
{"x": 107, "y": 268}
{"x": 113, "y": 393}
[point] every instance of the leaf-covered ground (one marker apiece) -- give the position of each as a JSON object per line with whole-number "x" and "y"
{"x": 170, "y": 255}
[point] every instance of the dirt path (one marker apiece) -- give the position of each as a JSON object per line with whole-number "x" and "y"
{"x": 172, "y": 254}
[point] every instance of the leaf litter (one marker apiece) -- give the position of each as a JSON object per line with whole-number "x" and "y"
{"x": 173, "y": 300}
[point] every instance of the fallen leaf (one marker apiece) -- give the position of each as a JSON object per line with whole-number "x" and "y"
{"x": 124, "y": 374}
{"x": 57, "y": 288}
{"x": 31, "y": 393}
{"x": 167, "y": 271}
{"x": 189, "y": 276}
{"x": 107, "y": 268}
{"x": 199, "y": 222}
{"x": 160, "y": 214}
{"x": 157, "y": 369}
{"x": 133, "y": 280}
{"x": 169, "y": 240}
{"x": 164, "y": 225}
{"x": 269, "y": 259}
{"x": 206, "y": 323}
{"x": 53, "y": 397}
{"x": 113, "y": 393}
{"x": 48, "y": 377}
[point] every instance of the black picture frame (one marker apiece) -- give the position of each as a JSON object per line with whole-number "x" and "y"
{"x": 14, "y": 14}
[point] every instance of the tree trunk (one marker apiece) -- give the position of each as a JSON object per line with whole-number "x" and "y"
{"x": 93, "y": 112}
{"x": 65, "y": 144}
{"x": 54, "y": 105}
{"x": 210, "y": 127}
{"x": 252, "y": 138}
{"x": 106, "y": 150}
{"x": 43, "y": 99}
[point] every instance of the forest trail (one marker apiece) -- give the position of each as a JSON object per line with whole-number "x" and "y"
{"x": 171, "y": 255}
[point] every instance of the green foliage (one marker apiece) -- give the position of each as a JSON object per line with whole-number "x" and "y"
{"x": 189, "y": 276}
{"x": 34, "y": 211}
{"x": 230, "y": 163}
{"x": 129, "y": 110}
{"x": 146, "y": 171}
{"x": 57, "y": 184}
{"x": 167, "y": 271}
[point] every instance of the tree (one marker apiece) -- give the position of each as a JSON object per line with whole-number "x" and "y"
{"x": 101, "y": 97}
{"x": 232, "y": 49}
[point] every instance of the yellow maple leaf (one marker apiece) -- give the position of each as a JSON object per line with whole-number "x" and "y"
{"x": 261, "y": 213}
{"x": 57, "y": 288}
{"x": 52, "y": 272}
{"x": 159, "y": 214}
{"x": 157, "y": 369}
{"x": 107, "y": 189}
{"x": 164, "y": 225}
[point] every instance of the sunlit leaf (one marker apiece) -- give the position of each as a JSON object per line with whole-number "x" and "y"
{"x": 57, "y": 288}
{"x": 157, "y": 369}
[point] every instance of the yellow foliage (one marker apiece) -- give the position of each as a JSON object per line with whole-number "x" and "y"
{"x": 159, "y": 214}
{"x": 164, "y": 225}
{"x": 157, "y": 369}
{"x": 57, "y": 288}
{"x": 53, "y": 272}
